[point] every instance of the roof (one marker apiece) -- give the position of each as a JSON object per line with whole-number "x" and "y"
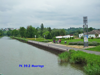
{"x": 94, "y": 32}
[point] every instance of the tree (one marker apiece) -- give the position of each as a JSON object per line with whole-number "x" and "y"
{"x": 79, "y": 32}
{"x": 9, "y": 33}
{"x": 15, "y": 32}
{"x": 62, "y": 32}
{"x": 45, "y": 33}
{"x": 22, "y": 32}
{"x": 42, "y": 27}
{"x": 31, "y": 32}
{"x": 90, "y": 29}
{"x": 49, "y": 36}
{"x": 1, "y": 33}
{"x": 49, "y": 29}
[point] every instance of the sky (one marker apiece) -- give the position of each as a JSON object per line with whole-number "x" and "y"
{"x": 52, "y": 13}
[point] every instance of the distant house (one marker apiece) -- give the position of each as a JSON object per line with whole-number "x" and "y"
{"x": 65, "y": 36}
{"x": 58, "y": 37}
{"x": 91, "y": 34}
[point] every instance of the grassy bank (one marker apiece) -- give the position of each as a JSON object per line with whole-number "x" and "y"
{"x": 40, "y": 39}
{"x": 97, "y": 48}
{"x": 91, "y": 61}
{"x": 1, "y": 36}
{"x": 19, "y": 38}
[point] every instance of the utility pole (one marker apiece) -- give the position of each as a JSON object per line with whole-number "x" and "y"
{"x": 85, "y": 31}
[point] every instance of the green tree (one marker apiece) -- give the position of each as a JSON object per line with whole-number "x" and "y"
{"x": 9, "y": 33}
{"x": 15, "y": 32}
{"x": 49, "y": 29}
{"x": 62, "y": 32}
{"x": 49, "y": 36}
{"x": 42, "y": 27}
{"x": 90, "y": 29}
{"x": 31, "y": 32}
{"x": 45, "y": 33}
{"x": 1, "y": 33}
{"x": 22, "y": 32}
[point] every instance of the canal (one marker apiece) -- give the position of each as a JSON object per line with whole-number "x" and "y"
{"x": 14, "y": 53}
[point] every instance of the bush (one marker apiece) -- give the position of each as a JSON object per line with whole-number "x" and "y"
{"x": 80, "y": 43}
{"x": 98, "y": 38}
{"x": 90, "y": 44}
{"x": 92, "y": 37}
{"x": 72, "y": 43}
{"x": 54, "y": 38}
{"x": 68, "y": 38}
{"x": 46, "y": 41}
{"x": 64, "y": 56}
{"x": 94, "y": 43}
{"x": 72, "y": 37}
{"x": 82, "y": 37}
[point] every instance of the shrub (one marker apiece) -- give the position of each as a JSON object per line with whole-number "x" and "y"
{"x": 72, "y": 37}
{"x": 98, "y": 38}
{"x": 46, "y": 41}
{"x": 94, "y": 43}
{"x": 64, "y": 56}
{"x": 74, "y": 43}
{"x": 68, "y": 38}
{"x": 80, "y": 43}
{"x": 90, "y": 44}
{"x": 82, "y": 37}
{"x": 54, "y": 38}
{"x": 92, "y": 37}
{"x": 70, "y": 43}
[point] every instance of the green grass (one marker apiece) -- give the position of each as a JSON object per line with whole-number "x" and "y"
{"x": 91, "y": 61}
{"x": 64, "y": 56}
{"x": 19, "y": 38}
{"x": 40, "y": 39}
{"x": 1, "y": 36}
{"x": 97, "y": 48}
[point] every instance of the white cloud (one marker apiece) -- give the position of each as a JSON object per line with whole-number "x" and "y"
{"x": 53, "y": 13}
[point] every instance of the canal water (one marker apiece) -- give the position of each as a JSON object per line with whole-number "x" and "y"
{"x": 14, "y": 53}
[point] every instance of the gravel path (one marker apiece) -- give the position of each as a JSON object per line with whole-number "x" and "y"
{"x": 64, "y": 47}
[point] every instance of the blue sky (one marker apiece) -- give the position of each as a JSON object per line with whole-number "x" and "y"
{"x": 52, "y": 13}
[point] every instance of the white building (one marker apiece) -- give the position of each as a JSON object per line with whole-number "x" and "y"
{"x": 91, "y": 34}
{"x": 58, "y": 37}
{"x": 65, "y": 36}
{"x": 80, "y": 35}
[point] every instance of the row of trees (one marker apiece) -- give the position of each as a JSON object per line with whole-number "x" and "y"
{"x": 77, "y": 31}
{"x": 30, "y": 32}
{"x": 49, "y": 33}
